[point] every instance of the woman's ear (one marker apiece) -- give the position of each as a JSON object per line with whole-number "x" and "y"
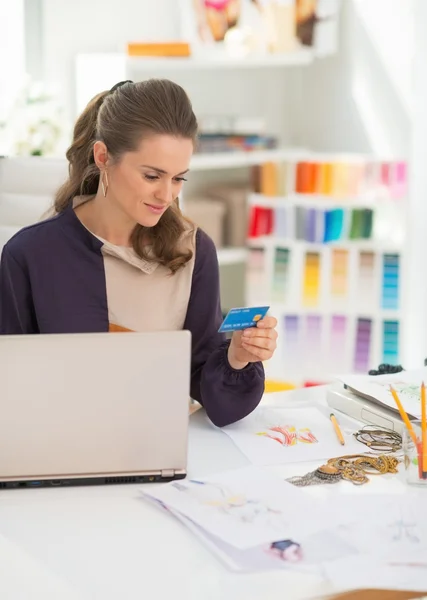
{"x": 100, "y": 155}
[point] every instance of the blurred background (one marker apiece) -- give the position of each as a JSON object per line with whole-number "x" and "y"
{"x": 309, "y": 175}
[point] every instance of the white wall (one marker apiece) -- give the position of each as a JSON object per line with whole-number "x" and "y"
{"x": 351, "y": 101}
{"x": 12, "y": 52}
{"x": 70, "y": 27}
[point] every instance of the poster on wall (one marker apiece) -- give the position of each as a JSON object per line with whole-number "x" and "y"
{"x": 240, "y": 28}
{"x": 229, "y": 27}
{"x": 316, "y": 24}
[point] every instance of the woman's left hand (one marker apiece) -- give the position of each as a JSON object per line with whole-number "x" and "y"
{"x": 253, "y": 344}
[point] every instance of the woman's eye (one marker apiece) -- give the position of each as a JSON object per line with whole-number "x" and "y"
{"x": 180, "y": 179}
{"x": 151, "y": 177}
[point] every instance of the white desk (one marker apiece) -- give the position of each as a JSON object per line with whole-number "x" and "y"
{"x": 104, "y": 543}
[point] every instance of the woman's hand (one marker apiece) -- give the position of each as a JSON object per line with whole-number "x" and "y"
{"x": 253, "y": 344}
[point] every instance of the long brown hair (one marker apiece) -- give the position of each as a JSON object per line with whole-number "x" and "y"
{"x": 121, "y": 118}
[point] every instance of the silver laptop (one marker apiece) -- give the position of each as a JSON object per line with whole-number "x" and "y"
{"x": 103, "y": 408}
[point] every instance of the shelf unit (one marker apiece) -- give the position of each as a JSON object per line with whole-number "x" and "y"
{"x": 339, "y": 303}
{"x": 235, "y": 160}
{"x": 299, "y": 57}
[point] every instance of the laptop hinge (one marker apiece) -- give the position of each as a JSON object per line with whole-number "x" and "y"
{"x": 168, "y": 473}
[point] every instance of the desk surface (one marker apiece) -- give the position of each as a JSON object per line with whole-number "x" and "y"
{"x": 106, "y": 543}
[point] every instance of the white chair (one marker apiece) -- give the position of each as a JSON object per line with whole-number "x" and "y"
{"x": 27, "y": 189}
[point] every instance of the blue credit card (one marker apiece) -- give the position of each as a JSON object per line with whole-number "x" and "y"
{"x": 242, "y": 318}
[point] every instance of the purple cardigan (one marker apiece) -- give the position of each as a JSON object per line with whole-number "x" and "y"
{"x": 52, "y": 280}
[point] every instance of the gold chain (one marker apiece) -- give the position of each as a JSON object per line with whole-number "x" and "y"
{"x": 356, "y": 467}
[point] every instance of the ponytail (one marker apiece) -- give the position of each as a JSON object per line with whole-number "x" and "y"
{"x": 83, "y": 175}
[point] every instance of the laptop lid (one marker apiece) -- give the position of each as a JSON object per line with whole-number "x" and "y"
{"x": 104, "y": 407}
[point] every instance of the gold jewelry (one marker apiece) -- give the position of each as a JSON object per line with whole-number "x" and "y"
{"x": 104, "y": 186}
{"x": 352, "y": 467}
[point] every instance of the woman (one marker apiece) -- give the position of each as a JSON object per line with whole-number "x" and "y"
{"x": 117, "y": 255}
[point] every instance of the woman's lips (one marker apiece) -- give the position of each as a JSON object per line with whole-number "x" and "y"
{"x": 156, "y": 208}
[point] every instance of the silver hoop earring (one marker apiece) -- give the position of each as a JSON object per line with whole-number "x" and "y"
{"x": 104, "y": 185}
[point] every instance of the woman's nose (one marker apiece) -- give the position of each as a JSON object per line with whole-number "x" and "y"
{"x": 164, "y": 191}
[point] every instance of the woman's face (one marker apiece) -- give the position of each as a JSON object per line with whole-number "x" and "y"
{"x": 144, "y": 183}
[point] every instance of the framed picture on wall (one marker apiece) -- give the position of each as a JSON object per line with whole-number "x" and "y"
{"x": 243, "y": 27}
{"x": 223, "y": 26}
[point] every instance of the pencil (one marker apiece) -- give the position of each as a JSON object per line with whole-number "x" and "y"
{"x": 337, "y": 429}
{"x": 404, "y": 416}
{"x": 423, "y": 430}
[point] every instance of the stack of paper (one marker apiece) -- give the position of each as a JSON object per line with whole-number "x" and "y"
{"x": 253, "y": 520}
{"x": 377, "y": 389}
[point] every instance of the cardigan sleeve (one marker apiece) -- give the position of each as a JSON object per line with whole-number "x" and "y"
{"x": 227, "y": 394}
{"x": 16, "y": 305}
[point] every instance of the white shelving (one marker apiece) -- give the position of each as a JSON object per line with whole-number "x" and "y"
{"x": 318, "y": 201}
{"x": 368, "y": 245}
{"x": 231, "y": 256}
{"x": 232, "y": 160}
{"x": 302, "y": 56}
{"x": 97, "y": 71}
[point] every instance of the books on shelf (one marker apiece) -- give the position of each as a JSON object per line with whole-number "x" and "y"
{"x": 158, "y": 49}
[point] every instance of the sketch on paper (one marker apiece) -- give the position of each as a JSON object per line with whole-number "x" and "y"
{"x": 245, "y": 507}
{"x": 289, "y": 435}
{"x": 403, "y": 530}
{"x": 227, "y": 502}
{"x": 278, "y": 435}
{"x": 405, "y": 390}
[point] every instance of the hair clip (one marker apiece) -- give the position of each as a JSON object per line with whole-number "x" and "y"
{"x": 118, "y": 85}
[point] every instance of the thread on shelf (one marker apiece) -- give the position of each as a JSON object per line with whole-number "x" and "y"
{"x": 391, "y": 341}
{"x": 339, "y": 272}
{"x": 291, "y": 343}
{"x": 338, "y": 337}
{"x": 334, "y": 223}
{"x": 255, "y": 275}
{"x": 311, "y": 289}
{"x": 280, "y": 274}
{"x": 366, "y": 280}
{"x": 269, "y": 179}
{"x": 363, "y": 345}
{"x": 313, "y": 342}
{"x": 261, "y": 221}
{"x": 390, "y": 281}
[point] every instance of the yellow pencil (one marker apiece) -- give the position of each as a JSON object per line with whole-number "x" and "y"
{"x": 337, "y": 429}
{"x": 404, "y": 416}
{"x": 423, "y": 429}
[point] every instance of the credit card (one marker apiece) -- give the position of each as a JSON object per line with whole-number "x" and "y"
{"x": 242, "y": 318}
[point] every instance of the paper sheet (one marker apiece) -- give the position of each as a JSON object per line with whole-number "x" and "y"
{"x": 393, "y": 526}
{"x": 407, "y": 385}
{"x": 281, "y": 555}
{"x": 245, "y": 507}
{"x": 21, "y": 576}
{"x": 390, "y": 532}
{"x": 271, "y": 436}
{"x": 359, "y": 572}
